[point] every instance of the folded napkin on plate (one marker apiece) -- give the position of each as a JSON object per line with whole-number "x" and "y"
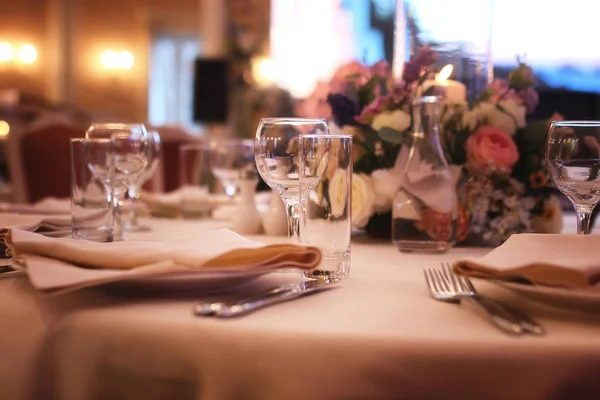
{"x": 54, "y": 264}
{"x": 569, "y": 261}
{"x": 192, "y": 198}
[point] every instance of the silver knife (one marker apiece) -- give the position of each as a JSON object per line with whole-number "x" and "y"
{"x": 295, "y": 290}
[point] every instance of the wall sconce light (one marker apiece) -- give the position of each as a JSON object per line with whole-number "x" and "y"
{"x": 27, "y": 53}
{"x": 7, "y": 53}
{"x": 112, "y": 60}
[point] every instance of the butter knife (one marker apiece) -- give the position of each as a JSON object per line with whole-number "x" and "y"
{"x": 295, "y": 290}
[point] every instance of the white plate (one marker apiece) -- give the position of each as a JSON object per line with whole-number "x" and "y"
{"x": 197, "y": 282}
{"x": 580, "y": 300}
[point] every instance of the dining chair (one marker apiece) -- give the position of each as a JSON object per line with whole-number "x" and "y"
{"x": 39, "y": 158}
{"x": 167, "y": 178}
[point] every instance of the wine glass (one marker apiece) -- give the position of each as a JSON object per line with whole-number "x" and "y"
{"x": 117, "y": 156}
{"x": 277, "y": 160}
{"x": 232, "y": 160}
{"x": 154, "y": 155}
{"x": 573, "y": 159}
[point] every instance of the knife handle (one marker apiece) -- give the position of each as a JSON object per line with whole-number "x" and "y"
{"x": 240, "y": 309}
{"x": 496, "y": 314}
{"x": 528, "y": 324}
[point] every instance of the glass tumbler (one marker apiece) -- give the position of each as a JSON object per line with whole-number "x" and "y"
{"x": 326, "y": 197}
{"x": 195, "y": 178}
{"x": 91, "y": 201}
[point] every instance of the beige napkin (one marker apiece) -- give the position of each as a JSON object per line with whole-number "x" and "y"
{"x": 70, "y": 264}
{"x": 186, "y": 199}
{"x": 569, "y": 261}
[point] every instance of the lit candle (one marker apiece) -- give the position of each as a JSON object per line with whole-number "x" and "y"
{"x": 456, "y": 92}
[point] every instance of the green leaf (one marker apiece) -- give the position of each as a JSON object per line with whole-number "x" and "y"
{"x": 391, "y": 135}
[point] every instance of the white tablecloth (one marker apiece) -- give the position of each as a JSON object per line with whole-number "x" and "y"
{"x": 378, "y": 335}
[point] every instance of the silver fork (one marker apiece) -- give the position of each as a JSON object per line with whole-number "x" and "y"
{"x": 440, "y": 289}
{"x": 463, "y": 286}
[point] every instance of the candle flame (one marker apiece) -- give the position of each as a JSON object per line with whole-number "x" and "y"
{"x": 444, "y": 73}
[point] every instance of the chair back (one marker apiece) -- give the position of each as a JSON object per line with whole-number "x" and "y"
{"x": 172, "y": 138}
{"x": 40, "y": 161}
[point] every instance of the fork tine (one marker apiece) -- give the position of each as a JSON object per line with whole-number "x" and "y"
{"x": 443, "y": 283}
{"x": 450, "y": 277}
{"x": 429, "y": 283}
{"x": 433, "y": 282}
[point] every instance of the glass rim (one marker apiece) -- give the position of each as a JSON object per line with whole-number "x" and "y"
{"x": 283, "y": 120}
{"x": 577, "y": 123}
{"x": 121, "y": 124}
{"x": 90, "y": 140}
{"x": 325, "y": 136}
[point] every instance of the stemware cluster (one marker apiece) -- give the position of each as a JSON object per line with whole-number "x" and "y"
{"x": 280, "y": 146}
{"x": 121, "y": 157}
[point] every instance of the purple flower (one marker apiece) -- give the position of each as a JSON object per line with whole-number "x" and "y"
{"x": 530, "y": 98}
{"x": 411, "y": 72}
{"x": 343, "y": 109}
{"x": 425, "y": 56}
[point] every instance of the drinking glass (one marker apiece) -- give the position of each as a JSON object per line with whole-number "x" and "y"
{"x": 276, "y": 155}
{"x": 91, "y": 205}
{"x": 154, "y": 155}
{"x": 326, "y": 195}
{"x": 573, "y": 159}
{"x": 230, "y": 160}
{"x": 117, "y": 157}
{"x": 194, "y": 179}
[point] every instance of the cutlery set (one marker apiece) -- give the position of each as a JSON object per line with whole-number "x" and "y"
{"x": 446, "y": 286}
{"x": 442, "y": 283}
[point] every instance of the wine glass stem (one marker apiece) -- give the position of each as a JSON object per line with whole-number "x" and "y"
{"x": 117, "y": 218}
{"x": 292, "y": 209}
{"x": 584, "y": 214}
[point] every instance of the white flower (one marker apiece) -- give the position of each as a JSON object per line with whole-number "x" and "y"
{"x": 509, "y": 120}
{"x": 385, "y": 185}
{"x": 362, "y": 200}
{"x": 397, "y": 119}
{"x": 469, "y": 120}
{"x": 550, "y": 221}
{"x": 338, "y": 191}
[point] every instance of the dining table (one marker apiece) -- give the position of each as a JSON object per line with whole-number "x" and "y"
{"x": 376, "y": 335}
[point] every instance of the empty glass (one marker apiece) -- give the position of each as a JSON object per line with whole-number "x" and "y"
{"x": 230, "y": 160}
{"x": 194, "y": 169}
{"x": 91, "y": 204}
{"x": 117, "y": 157}
{"x": 154, "y": 155}
{"x": 573, "y": 159}
{"x": 276, "y": 155}
{"x": 326, "y": 194}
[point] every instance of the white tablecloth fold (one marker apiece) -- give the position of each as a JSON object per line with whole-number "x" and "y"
{"x": 569, "y": 261}
{"x": 69, "y": 264}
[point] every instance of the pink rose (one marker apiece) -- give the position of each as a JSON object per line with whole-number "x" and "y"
{"x": 491, "y": 150}
{"x": 377, "y": 106}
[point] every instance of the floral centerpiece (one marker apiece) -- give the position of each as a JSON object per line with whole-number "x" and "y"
{"x": 496, "y": 157}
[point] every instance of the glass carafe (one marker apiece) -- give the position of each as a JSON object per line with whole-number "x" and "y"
{"x": 424, "y": 211}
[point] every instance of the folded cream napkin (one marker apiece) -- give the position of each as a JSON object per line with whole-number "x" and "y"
{"x": 189, "y": 198}
{"x": 569, "y": 261}
{"x": 54, "y": 264}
